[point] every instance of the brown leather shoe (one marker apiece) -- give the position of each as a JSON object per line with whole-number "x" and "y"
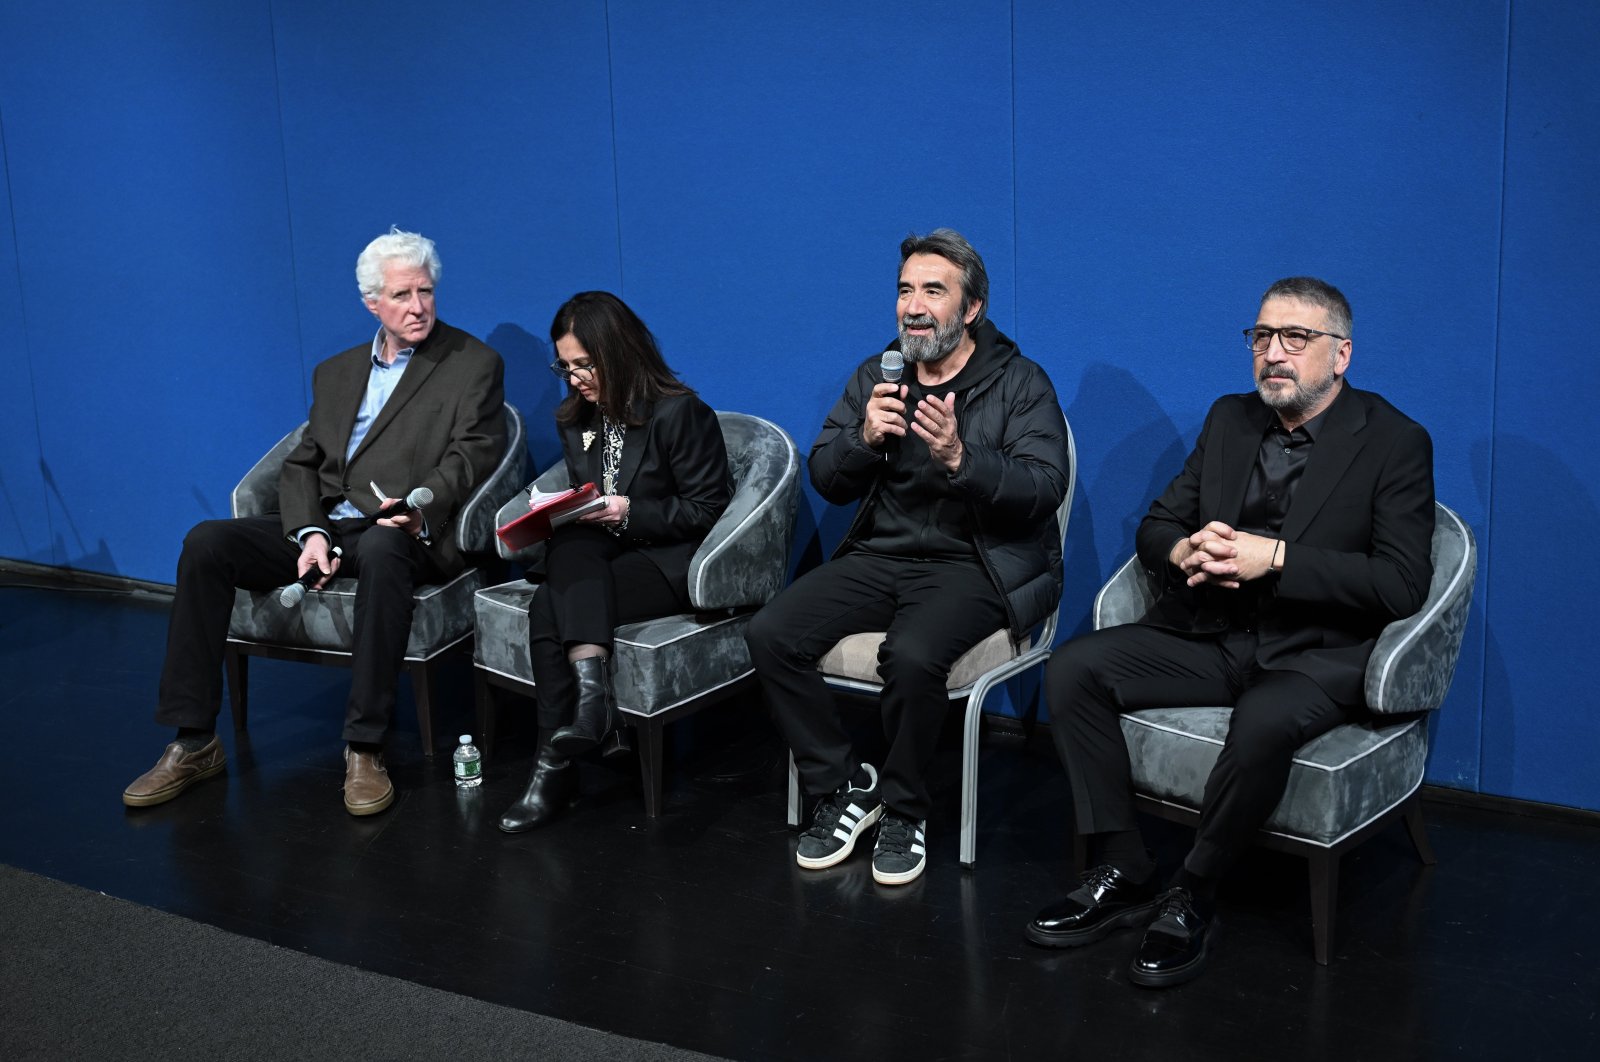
{"x": 174, "y": 772}
{"x": 367, "y": 789}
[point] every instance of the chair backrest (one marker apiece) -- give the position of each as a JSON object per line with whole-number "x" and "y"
{"x": 1047, "y": 633}
{"x": 257, "y": 493}
{"x": 744, "y": 559}
{"x": 475, "y": 523}
{"x": 1415, "y": 658}
{"x": 1411, "y": 666}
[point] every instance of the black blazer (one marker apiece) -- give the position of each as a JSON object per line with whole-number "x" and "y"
{"x": 1359, "y": 535}
{"x": 674, "y": 472}
{"x": 443, "y": 428}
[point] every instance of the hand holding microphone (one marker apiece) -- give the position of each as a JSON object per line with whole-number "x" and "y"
{"x": 295, "y": 592}
{"x": 410, "y": 503}
{"x": 885, "y": 415}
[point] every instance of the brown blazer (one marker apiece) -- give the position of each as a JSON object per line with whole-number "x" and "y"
{"x": 443, "y": 428}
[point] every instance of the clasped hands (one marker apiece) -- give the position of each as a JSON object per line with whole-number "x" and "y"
{"x": 934, "y": 421}
{"x": 1219, "y": 555}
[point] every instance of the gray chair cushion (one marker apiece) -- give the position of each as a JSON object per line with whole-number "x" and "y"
{"x": 326, "y": 618}
{"x": 658, "y": 664}
{"x": 1338, "y": 782}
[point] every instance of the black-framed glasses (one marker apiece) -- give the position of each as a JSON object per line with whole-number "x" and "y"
{"x": 567, "y": 374}
{"x": 1294, "y": 338}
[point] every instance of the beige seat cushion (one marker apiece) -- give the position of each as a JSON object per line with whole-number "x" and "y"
{"x": 856, "y": 657}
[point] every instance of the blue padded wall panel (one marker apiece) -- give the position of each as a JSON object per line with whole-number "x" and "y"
{"x": 1165, "y": 178}
{"x": 1541, "y": 740}
{"x": 770, "y": 159}
{"x": 147, "y": 187}
{"x": 495, "y": 141}
{"x": 24, "y": 519}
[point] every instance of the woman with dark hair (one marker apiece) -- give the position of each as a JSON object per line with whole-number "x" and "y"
{"x": 655, "y": 451}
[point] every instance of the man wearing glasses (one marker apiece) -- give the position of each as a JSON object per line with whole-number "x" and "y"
{"x": 420, "y": 405}
{"x": 1300, "y": 525}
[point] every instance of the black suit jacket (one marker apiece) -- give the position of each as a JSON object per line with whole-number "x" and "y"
{"x": 1358, "y": 535}
{"x": 443, "y": 428}
{"x": 674, "y": 472}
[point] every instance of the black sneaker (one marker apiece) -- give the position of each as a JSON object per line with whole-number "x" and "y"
{"x": 901, "y": 851}
{"x": 840, "y": 818}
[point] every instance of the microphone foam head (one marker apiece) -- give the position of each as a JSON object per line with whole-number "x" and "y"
{"x": 292, "y": 595}
{"x": 419, "y": 497}
{"x": 892, "y": 364}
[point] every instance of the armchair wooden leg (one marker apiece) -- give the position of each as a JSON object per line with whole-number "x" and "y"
{"x": 237, "y": 667}
{"x": 484, "y": 701}
{"x": 1418, "y": 831}
{"x": 1323, "y": 867}
{"x": 422, "y": 692}
{"x": 652, "y": 753}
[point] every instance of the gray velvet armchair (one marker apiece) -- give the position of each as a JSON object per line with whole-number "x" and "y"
{"x": 852, "y": 666}
{"x": 666, "y": 668}
{"x": 1350, "y": 782}
{"x": 319, "y": 630}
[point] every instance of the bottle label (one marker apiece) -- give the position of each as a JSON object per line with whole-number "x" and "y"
{"x": 469, "y": 769}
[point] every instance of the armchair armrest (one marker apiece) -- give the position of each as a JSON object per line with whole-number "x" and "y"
{"x": 1125, "y": 597}
{"x": 478, "y": 517}
{"x": 1415, "y": 658}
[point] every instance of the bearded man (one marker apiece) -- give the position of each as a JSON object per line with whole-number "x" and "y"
{"x": 958, "y": 472}
{"x": 1300, "y": 526}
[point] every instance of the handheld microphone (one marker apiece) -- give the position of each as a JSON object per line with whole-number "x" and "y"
{"x": 415, "y": 500}
{"x": 892, "y": 364}
{"x": 295, "y": 592}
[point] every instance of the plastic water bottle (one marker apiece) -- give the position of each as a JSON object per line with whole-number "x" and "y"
{"x": 468, "y": 764}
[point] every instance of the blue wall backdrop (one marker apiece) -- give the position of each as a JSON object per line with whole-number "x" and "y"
{"x": 185, "y": 186}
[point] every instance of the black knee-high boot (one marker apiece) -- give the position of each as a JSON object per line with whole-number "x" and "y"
{"x": 596, "y": 714}
{"x": 551, "y": 788}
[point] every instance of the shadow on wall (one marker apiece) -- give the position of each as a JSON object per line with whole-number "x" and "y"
{"x": 532, "y": 388}
{"x": 1112, "y": 407}
{"x": 1540, "y": 655}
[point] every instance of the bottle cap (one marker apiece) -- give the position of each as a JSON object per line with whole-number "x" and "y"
{"x": 466, "y": 739}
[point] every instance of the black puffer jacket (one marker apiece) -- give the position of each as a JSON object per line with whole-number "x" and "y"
{"x": 1013, "y": 471}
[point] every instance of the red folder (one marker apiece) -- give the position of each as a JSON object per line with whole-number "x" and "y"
{"x": 549, "y": 512}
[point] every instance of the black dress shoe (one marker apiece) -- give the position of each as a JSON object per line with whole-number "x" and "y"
{"x": 1176, "y": 943}
{"x": 1105, "y": 901}
{"x": 550, "y": 790}
{"x": 596, "y": 715}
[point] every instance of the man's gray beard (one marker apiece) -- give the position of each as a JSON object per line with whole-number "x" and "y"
{"x": 1297, "y": 400}
{"x": 945, "y": 339}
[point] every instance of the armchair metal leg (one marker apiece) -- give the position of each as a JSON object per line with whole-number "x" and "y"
{"x": 969, "y": 772}
{"x": 794, "y": 792}
{"x": 237, "y": 667}
{"x": 422, "y": 692}
{"x": 483, "y": 700}
{"x": 1418, "y": 831}
{"x": 1323, "y": 867}
{"x": 652, "y": 754}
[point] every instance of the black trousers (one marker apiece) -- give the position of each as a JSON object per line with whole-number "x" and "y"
{"x": 252, "y": 553}
{"x": 580, "y": 604}
{"x": 933, "y": 612}
{"x": 1092, "y": 680}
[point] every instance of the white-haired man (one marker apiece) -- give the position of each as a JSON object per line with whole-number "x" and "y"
{"x": 421, "y": 405}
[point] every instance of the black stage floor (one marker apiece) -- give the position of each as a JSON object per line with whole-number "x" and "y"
{"x": 697, "y": 929}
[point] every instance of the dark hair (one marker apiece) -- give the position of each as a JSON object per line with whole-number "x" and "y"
{"x": 626, "y": 358}
{"x": 953, "y": 247}
{"x": 1318, "y": 293}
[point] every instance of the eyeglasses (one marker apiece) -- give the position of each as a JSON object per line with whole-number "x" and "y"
{"x": 567, "y": 374}
{"x": 1293, "y": 338}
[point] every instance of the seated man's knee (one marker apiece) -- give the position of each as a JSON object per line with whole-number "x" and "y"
{"x": 909, "y": 661}
{"x": 1070, "y": 674}
{"x": 1261, "y": 739}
